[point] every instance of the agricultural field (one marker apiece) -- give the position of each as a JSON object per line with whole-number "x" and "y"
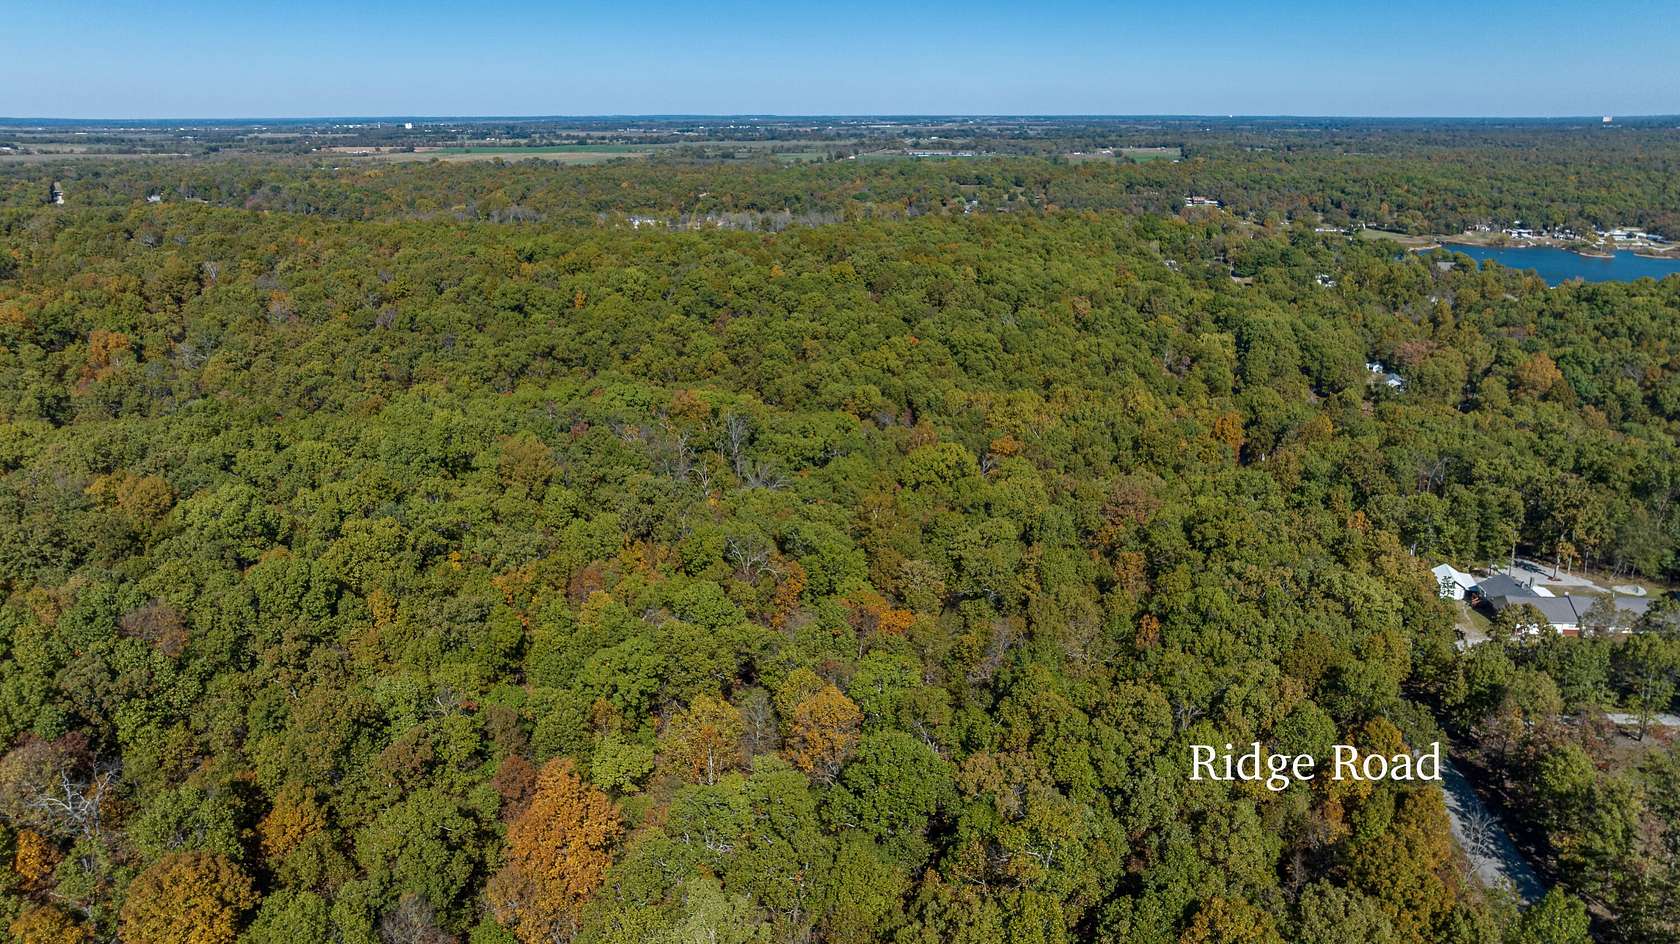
{"x": 562, "y": 153}
{"x": 1141, "y": 154}
{"x": 800, "y": 157}
{"x": 41, "y": 157}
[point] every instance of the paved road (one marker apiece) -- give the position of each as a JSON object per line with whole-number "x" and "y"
{"x": 1626, "y": 720}
{"x": 1494, "y": 859}
{"x": 1541, "y": 573}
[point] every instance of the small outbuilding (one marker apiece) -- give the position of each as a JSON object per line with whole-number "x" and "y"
{"x": 1453, "y": 583}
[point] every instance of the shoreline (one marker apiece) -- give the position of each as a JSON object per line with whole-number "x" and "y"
{"x": 1642, "y": 253}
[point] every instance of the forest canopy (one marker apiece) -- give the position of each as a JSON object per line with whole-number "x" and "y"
{"x": 378, "y": 572}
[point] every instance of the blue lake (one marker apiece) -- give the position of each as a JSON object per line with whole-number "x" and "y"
{"x": 1561, "y": 265}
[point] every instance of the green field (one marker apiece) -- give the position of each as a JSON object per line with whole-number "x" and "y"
{"x": 545, "y": 149}
{"x": 800, "y": 157}
{"x": 564, "y": 153}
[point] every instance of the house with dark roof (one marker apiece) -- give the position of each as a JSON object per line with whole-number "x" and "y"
{"x": 1567, "y": 614}
{"x": 1496, "y": 590}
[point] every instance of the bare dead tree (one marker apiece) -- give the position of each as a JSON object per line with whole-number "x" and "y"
{"x": 760, "y": 734}
{"x": 78, "y": 805}
{"x": 1004, "y": 638}
{"x": 445, "y": 701}
{"x": 1185, "y": 712}
{"x": 412, "y": 921}
{"x": 761, "y": 475}
{"x": 735, "y": 433}
{"x": 750, "y": 557}
{"x": 1479, "y": 826}
{"x": 682, "y": 461}
{"x": 672, "y": 453}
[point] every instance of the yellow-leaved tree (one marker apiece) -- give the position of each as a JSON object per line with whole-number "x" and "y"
{"x": 1230, "y": 921}
{"x": 705, "y": 740}
{"x": 186, "y": 898}
{"x": 46, "y": 924}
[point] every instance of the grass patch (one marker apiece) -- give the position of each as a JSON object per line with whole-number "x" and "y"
{"x": 542, "y": 149}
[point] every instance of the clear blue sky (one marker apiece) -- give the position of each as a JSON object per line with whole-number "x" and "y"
{"x": 195, "y": 58}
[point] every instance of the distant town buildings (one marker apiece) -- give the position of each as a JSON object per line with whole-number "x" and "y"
{"x": 1623, "y": 235}
{"x": 1626, "y": 236}
{"x": 1201, "y": 202}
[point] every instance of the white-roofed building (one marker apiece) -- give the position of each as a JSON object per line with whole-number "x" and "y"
{"x": 1454, "y": 583}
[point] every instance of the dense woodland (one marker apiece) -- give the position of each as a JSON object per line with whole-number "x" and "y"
{"x": 379, "y": 566}
{"x": 1411, "y": 177}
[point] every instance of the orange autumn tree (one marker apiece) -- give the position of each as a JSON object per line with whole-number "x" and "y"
{"x": 1537, "y": 375}
{"x": 870, "y": 612}
{"x": 558, "y": 851}
{"x": 145, "y": 498}
{"x": 786, "y": 596}
{"x": 186, "y": 898}
{"x": 294, "y": 817}
{"x": 35, "y": 859}
{"x": 106, "y": 350}
{"x": 822, "y": 731}
{"x": 1228, "y": 429}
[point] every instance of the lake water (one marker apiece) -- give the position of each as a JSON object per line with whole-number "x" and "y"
{"x": 1561, "y": 265}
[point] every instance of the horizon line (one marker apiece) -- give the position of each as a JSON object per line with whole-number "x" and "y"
{"x": 763, "y": 116}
